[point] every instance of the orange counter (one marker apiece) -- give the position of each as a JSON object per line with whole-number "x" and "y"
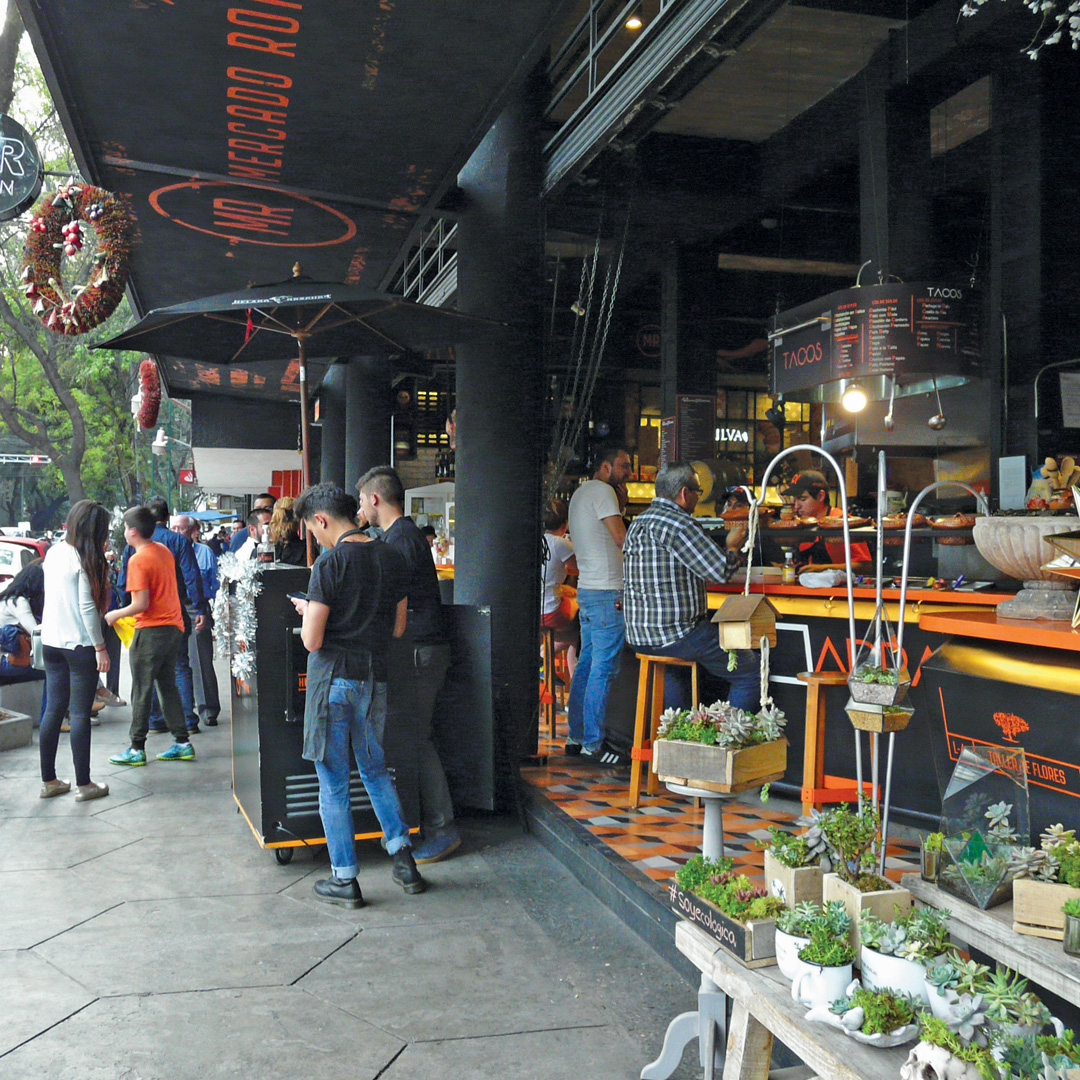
{"x": 926, "y": 596}
{"x": 1045, "y": 633}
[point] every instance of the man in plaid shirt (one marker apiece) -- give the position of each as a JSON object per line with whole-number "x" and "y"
{"x": 667, "y": 559}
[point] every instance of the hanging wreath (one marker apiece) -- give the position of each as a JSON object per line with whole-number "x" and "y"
{"x": 57, "y": 230}
{"x": 150, "y": 389}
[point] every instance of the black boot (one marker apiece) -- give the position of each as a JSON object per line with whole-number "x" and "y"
{"x": 336, "y": 891}
{"x": 405, "y": 872}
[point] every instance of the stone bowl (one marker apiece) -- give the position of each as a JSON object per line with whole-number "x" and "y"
{"x": 1018, "y": 547}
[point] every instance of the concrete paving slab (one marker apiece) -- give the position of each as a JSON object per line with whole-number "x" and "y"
{"x": 595, "y": 1053}
{"x": 36, "y": 996}
{"x": 196, "y": 943}
{"x": 19, "y": 798}
{"x": 276, "y": 1033}
{"x": 215, "y": 864}
{"x": 485, "y": 979}
{"x": 36, "y": 905}
{"x": 191, "y": 813}
{"x": 37, "y": 844}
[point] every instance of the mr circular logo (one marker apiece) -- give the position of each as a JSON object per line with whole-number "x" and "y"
{"x": 253, "y": 214}
{"x": 20, "y": 169}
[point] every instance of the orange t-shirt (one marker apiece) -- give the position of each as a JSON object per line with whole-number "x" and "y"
{"x": 153, "y": 568}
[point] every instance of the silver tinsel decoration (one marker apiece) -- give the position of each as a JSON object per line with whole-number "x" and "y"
{"x": 234, "y": 615}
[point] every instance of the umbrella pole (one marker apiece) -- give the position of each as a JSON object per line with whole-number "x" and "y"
{"x": 305, "y": 438}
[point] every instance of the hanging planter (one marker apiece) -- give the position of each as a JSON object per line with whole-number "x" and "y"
{"x": 882, "y": 719}
{"x": 878, "y": 677}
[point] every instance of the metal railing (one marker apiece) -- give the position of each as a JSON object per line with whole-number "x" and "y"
{"x": 429, "y": 272}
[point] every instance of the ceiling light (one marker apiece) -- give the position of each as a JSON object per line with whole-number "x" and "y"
{"x": 634, "y": 22}
{"x": 578, "y": 308}
{"x": 854, "y": 398}
{"x": 775, "y": 413}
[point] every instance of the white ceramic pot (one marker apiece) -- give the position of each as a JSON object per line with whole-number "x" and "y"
{"x": 940, "y": 1004}
{"x": 821, "y": 985}
{"x": 881, "y": 972}
{"x": 787, "y": 954}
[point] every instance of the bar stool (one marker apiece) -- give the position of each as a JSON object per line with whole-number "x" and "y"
{"x": 817, "y": 788}
{"x": 547, "y": 694}
{"x": 650, "y": 704}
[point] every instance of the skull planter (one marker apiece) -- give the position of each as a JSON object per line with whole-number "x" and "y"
{"x": 930, "y": 1062}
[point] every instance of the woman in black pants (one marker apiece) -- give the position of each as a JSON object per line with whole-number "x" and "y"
{"x": 76, "y": 597}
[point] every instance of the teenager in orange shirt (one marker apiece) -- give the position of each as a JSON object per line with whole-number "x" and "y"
{"x": 158, "y": 639}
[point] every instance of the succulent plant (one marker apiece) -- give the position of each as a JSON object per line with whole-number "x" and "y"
{"x": 814, "y": 838}
{"x": 1026, "y": 862}
{"x": 966, "y": 1017}
{"x": 943, "y": 976}
{"x": 997, "y": 814}
{"x": 969, "y": 975}
{"x": 1053, "y": 835}
{"x": 722, "y": 724}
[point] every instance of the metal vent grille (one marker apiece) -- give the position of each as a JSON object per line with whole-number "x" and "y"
{"x": 302, "y": 794}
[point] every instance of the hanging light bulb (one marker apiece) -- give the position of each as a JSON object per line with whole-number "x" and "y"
{"x": 854, "y": 398}
{"x": 578, "y": 308}
{"x": 634, "y": 21}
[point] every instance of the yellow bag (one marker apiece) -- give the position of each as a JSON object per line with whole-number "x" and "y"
{"x": 125, "y": 630}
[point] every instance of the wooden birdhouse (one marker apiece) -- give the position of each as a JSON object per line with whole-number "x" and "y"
{"x": 744, "y": 620}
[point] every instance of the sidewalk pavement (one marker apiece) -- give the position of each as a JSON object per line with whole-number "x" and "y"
{"x": 145, "y": 936}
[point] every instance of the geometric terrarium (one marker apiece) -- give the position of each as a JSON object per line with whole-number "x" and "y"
{"x": 984, "y": 821}
{"x": 877, "y": 677}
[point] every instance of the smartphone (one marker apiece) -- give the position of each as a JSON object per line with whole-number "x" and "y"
{"x": 297, "y": 595}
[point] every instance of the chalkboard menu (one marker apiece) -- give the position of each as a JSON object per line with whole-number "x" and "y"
{"x": 895, "y": 329}
{"x": 695, "y": 427}
{"x": 667, "y": 440}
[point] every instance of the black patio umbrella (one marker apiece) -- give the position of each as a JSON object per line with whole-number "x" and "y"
{"x": 298, "y": 318}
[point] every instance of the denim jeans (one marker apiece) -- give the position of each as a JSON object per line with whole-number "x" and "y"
{"x": 185, "y": 685}
{"x": 741, "y": 687}
{"x": 602, "y": 635}
{"x": 71, "y": 679}
{"x": 152, "y": 657}
{"x": 357, "y": 716}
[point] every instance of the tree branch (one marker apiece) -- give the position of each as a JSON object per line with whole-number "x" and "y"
{"x": 10, "y": 37}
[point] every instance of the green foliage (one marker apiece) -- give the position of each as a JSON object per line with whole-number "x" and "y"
{"x": 883, "y": 1010}
{"x": 1068, "y": 858}
{"x": 789, "y": 849}
{"x": 827, "y": 950}
{"x": 933, "y": 841}
{"x": 936, "y": 1032}
{"x": 1027, "y": 1057}
{"x": 919, "y": 935}
{"x": 722, "y": 724}
{"x": 1071, "y": 907}
{"x": 1007, "y": 999}
{"x": 868, "y": 673}
{"x": 734, "y": 894}
{"x": 805, "y": 918}
{"x": 696, "y": 871}
{"x": 853, "y": 841}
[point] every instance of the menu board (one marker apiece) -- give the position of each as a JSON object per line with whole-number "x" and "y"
{"x": 894, "y": 329}
{"x": 667, "y": 440}
{"x": 695, "y": 426}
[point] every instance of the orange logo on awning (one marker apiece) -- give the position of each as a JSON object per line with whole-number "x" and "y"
{"x": 1011, "y": 725}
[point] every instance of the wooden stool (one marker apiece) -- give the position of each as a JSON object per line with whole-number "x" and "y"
{"x": 650, "y": 704}
{"x": 817, "y": 788}
{"x": 547, "y": 696}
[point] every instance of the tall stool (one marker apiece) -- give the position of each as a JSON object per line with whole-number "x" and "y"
{"x": 547, "y": 695}
{"x": 817, "y": 788}
{"x": 650, "y": 704}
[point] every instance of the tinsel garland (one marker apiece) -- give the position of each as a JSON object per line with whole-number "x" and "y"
{"x": 56, "y": 230}
{"x": 150, "y": 387}
{"x": 234, "y": 613}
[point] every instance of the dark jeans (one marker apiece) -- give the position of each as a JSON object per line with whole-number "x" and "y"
{"x": 183, "y": 680}
{"x": 113, "y": 645}
{"x": 204, "y": 678}
{"x": 153, "y": 664}
{"x": 741, "y": 687}
{"x": 71, "y": 679}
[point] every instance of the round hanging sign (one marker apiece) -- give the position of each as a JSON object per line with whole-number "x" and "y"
{"x": 20, "y": 169}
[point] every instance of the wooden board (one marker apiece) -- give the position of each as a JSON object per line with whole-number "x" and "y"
{"x": 1037, "y": 907}
{"x": 882, "y": 903}
{"x": 720, "y": 789}
{"x": 753, "y": 944}
{"x": 792, "y": 884}
{"x": 716, "y": 769}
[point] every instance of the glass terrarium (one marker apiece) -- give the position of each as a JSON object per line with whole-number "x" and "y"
{"x": 984, "y": 821}
{"x": 878, "y": 677}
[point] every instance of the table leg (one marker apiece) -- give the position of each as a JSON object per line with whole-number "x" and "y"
{"x": 703, "y": 1025}
{"x": 749, "y": 1047}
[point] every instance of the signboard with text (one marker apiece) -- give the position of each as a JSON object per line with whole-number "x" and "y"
{"x": 20, "y": 169}
{"x": 695, "y": 427}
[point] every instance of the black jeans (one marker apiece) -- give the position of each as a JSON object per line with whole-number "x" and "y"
{"x": 153, "y": 655}
{"x": 113, "y": 645}
{"x": 71, "y": 679}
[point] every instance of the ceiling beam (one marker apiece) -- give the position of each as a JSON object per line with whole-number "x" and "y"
{"x": 765, "y": 264}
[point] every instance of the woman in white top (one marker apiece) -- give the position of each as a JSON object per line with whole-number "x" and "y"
{"x": 559, "y": 561}
{"x": 20, "y": 609}
{"x": 76, "y": 597}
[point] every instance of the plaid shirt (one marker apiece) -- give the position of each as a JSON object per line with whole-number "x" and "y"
{"x": 667, "y": 559}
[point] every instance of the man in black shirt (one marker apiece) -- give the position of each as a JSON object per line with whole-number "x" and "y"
{"x": 355, "y": 601}
{"x": 418, "y": 660}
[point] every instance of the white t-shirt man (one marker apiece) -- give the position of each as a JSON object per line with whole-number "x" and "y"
{"x": 559, "y": 552}
{"x": 599, "y": 558}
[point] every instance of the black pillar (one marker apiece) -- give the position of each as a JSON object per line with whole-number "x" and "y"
{"x": 332, "y": 417}
{"x": 499, "y": 409}
{"x": 367, "y": 416}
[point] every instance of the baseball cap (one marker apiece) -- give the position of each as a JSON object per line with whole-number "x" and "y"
{"x": 807, "y": 480}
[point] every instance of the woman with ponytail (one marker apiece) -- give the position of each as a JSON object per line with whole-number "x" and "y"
{"x": 76, "y": 598}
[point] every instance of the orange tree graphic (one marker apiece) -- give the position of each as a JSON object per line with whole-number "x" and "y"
{"x": 1011, "y": 725}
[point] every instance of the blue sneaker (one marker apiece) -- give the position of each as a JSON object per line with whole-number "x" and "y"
{"x": 437, "y": 848}
{"x": 130, "y": 756}
{"x": 179, "y": 751}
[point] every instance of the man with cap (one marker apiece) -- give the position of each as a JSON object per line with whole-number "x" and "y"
{"x": 811, "y": 494}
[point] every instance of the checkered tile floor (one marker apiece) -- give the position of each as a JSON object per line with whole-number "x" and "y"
{"x": 665, "y": 830}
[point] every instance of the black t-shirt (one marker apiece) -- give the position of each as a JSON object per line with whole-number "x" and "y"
{"x": 361, "y": 584}
{"x": 425, "y": 622}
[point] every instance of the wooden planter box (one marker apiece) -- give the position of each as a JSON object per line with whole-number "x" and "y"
{"x": 716, "y": 769}
{"x": 793, "y": 885}
{"x": 881, "y": 903}
{"x": 753, "y": 944}
{"x": 1037, "y": 907}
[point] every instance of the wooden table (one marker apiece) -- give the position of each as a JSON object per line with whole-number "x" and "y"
{"x": 762, "y": 1009}
{"x": 1042, "y": 961}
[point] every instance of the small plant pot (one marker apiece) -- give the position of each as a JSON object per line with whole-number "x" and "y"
{"x": 792, "y": 884}
{"x": 865, "y": 717}
{"x": 879, "y": 693}
{"x": 941, "y": 1005}
{"x": 820, "y": 985}
{"x": 882, "y": 972}
{"x": 881, "y": 903}
{"x": 1020, "y": 1031}
{"x": 929, "y": 862}
{"x": 715, "y": 768}
{"x": 787, "y": 954}
{"x": 926, "y": 1059}
{"x": 1071, "y": 941}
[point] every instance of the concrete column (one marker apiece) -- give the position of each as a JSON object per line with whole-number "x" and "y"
{"x": 367, "y": 416}
{"x": 499, "y": 408}
{"x": 332, "y": 416}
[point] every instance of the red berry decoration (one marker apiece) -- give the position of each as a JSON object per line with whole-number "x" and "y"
{"x": 56, "y": 231}
{"x": 150, "y": 385}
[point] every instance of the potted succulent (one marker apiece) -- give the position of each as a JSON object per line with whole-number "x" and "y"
{"x": 1011, "y": 1007}
{"x": 950, "y": 980}
{"x": 980, "y": 869}
{"x": 1071, "y": 910}
{"x": 795, "y": 927}
{"x": 877, "y": 1017}
{"x": 793, "y": 865}
{"x": 878, "y": 676}
{"x": 720, "y": 747}
{"x": 736, "y": 911}
{"x": 854, "y": 841}
{"x": 1045, "y": 879}
{"x": 1048, "y": 1057}
{"x": 930, "y": 856}
{"x": 827, "y": 976}
{"x": 895, "y": 955}
{"x": 951, "y": 1050}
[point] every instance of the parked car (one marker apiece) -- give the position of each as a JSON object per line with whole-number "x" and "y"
{"x": 17, "y": 552}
